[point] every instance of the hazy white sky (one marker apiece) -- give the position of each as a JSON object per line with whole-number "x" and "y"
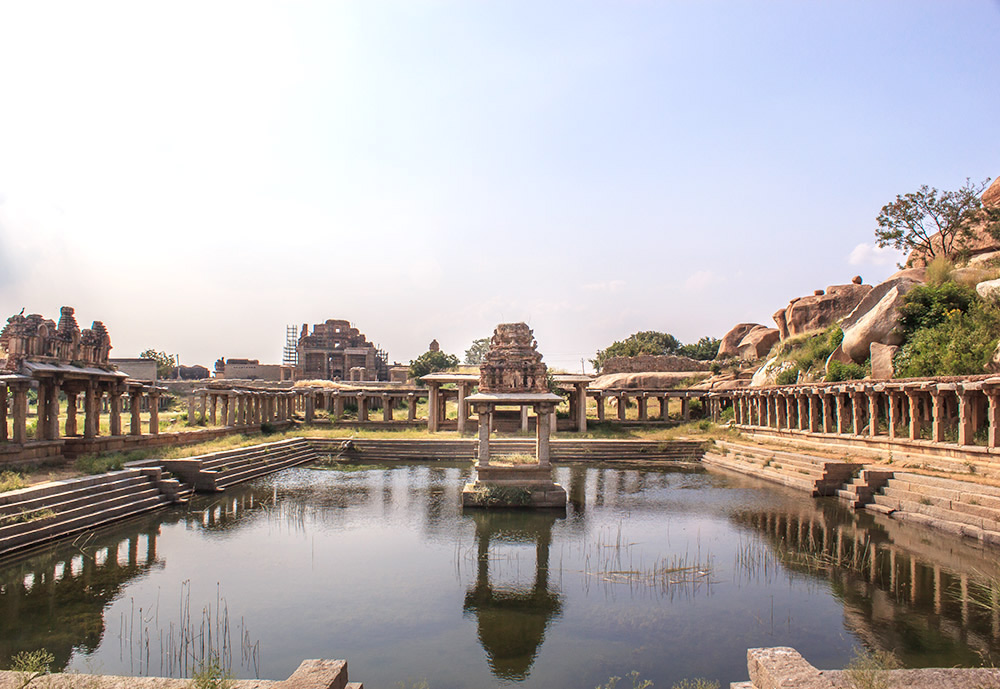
{"x": 198, "y": 175}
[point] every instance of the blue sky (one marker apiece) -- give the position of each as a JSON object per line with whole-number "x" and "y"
{"x": 198, "y": 175}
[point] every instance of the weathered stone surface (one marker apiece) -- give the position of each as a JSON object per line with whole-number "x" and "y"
{"x": 917, "y": 274}
{"x": 512, "y": 363}
{"x": 985, "y": 259}
{"x": 926, "y": 678}
{"x": 981, "y": 241}
{"x": 729, "y": 346}
{"x": 662, "y": 380}
{"x": 875, "y": 319}
{"x": 991, "y": 197}
{"x": 783, "y": 667}
{"x": 317, "y": 674}
{"x": 649, "y": 362}
{"x": 988, "y": 288}
{"x": 837, "y": 355}
{"x": 856, "y": 280}
{"x": 768, "y": 373}
{"x": 882, "y": 366}
{"x": 757, "y": 343}
{"x": 820, "y": 309}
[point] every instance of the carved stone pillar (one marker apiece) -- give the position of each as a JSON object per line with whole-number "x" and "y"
{"x": 90, "y": 418}
{"x": 483, "y": 411}
{"x": 387, "y": 408}
{"x": 581, "y": 407}
{"x": 622, "y": 406}
{"x": 600, "y": 406}
{"x": 19, "y": 433}
{"x": 3, "y": 412}
{"x": 362, "y": 406}
{"x": 640, "y": 401}
{"x": 433, "y": 420}
{"x": 463, "y": 406}
{"x": 154, "y": 412}
{"x": 411, "y": 406}
{"x": 134, "y": 411}
{"x": 310, "y": 407}
{"x": 966, "y": 431}
{"x": 544, "y": 412}
{"x": 115, "y": 399}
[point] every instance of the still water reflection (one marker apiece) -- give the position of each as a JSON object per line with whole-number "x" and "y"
{"x": 671, "y": 572}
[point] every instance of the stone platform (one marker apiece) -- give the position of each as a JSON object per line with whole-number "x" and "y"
{"x": 528, "y": 486}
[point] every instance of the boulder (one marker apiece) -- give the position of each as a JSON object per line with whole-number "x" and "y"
{"x": 882, "y": 366}
{"x": 991, "y": 197}
{"x": 729, "y": 346}
{"x": 767, "y": 374}
{"x": 820, "y": 309}
{"x": 837, "y": 355}
{"x": 981, "y": 241}
{"x": 985, "y": 260}
{"x": 757, "y": 343}
{"x": 989, "y": 288}
{"x": 875, "y": 319}
{"x": 918, "y": 274}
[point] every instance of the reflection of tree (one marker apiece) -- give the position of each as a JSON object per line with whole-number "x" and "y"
{"x": 512, "y": 620}
{"x": 56, "y": 599}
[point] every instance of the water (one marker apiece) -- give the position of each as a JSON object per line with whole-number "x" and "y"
{"x": 673, "y": 573}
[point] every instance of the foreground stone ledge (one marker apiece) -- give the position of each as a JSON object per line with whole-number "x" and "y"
{"x": 311, "y": 674}
{"x": 782, "y": 667}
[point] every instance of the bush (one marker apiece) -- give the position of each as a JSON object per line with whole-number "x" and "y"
{"x": 927, "y": 306}
{"x": 11, "y": 480}
{"x": 429, "y": 362}
{"x": 810, "y": 351}
{"x": 960, "y": 344}
{"x": 838, "y": 371}
{"x": 789, "y": 376}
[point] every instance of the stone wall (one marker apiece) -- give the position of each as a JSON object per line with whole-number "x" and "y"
{"x": 648, "y": 362}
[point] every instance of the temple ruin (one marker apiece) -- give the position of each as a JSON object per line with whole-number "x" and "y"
{"x": 336, "y": 350}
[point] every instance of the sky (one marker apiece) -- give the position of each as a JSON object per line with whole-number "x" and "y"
{"x": 199, "y": 175}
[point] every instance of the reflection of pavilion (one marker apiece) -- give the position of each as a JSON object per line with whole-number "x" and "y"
{"x": 512, "y": 620}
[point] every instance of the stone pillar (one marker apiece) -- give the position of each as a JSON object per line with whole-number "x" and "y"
{"x": 90, "y": 408}
{"x": 19, "y": 433}
{"x": 310, "y": 407}
{"x": 154, "y": 412}
{"x": 203, "y": 407}
{"x": 856, "y": 412}
{"x": 483, "y": 411}
{"x": 70, "y": 413}
{"x": 192, "y": 412}
{"x": 231, "y": 405}
{"x": 433, "y": 420}
{"x": 622, "y": 405}
{"x": 992, "y": 418}
{"x": 338, "y": 405}
{"x": 966, "y": 431}
{"x": 41, "y": 409}
{"x": 814, "y": 412}
{"x": 362, "y": 406}
{"x": 872, "y": 412}
{"x": 134, "y": 410}
{"x": 241, "y": 409}
{"x": 600, "y": 406}
{"x": 213, "y": 403}
{"x": 892, "y": 400}
{"x": 685, "y": 408}
{"x": 664, "y": 401}
{"x": 115, "y": 422}
{"x": 581, "y": 407}
{"x": 223, "y": 403}
{"x": 52, "y": 416}
{"x": 387, "y": 407}
{"x": 463, "y": 406}
{"x": 801, "y": 400}
{"x": 827, "y": 411}
{"x": 3, "y": 412}
{"x": 913, "y": 402}
{"x": 640, "y": 401}
{"x": 411, "y": 406}
{"x": 544, "y": 412}
{"x": 937, "y": 416}
{"x": 524, "y": 418}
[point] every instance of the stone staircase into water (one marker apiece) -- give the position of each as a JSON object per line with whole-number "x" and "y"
{"x": 958, "y": 507}
{"x": 861, "y": 490}
{"x": 816, "y": 475}
{"x": 218, "y": 470}
{"x": 37, "y": 514}
{"x": 464, "y": 450}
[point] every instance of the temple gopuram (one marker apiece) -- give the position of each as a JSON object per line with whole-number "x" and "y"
{"x": 336, "y": 350}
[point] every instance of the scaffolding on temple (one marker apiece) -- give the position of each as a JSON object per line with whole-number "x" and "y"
{"x": 290, "y": 356}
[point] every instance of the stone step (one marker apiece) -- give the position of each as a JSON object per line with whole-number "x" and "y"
{"x": 68, "y": 485}
{"x": 63, "y": 502}
{"x": 32, "y": 500}
{"x": 227, "y": 479}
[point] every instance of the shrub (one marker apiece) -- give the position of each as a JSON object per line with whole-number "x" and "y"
{"x": 927, "y": 306}
{"x": 114, "y": 461}
{"x": 789, "y": 376}
{"x": 870, "y": 670}
{"x": 838, "y": 371}
{"x": 939, "y": 271}
{"x": 429, "y": 362}
{"x": 501, "y": 496}
{"x": 961, "y": 343}
{"x": 11, "y": 480}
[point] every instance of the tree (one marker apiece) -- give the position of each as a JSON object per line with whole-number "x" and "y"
{"x": 477, "y": 352}
{"x": 643, "y": 342}
{"x": 704, "y": 349}
{"x": 429, "y": 362}
{"x": 934, "y": 223}
{"x": 164, "y": 362}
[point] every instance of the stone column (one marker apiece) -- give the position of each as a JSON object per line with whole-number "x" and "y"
{"x": 53, "y": 412}
{"x": 622, "y": 406}
{"x": 664, "y": 401}
{"x": 992, "y": 418}
{"x": 463, "y": 406}
{"x": 3, "y": 412}
{"x": 362, "y": 406}
{"x": 41, "y": 410}
{"x": 433, "y": 421}
{"x": 90, "y": 408}
{"x": 483, "y": 411}
{"x": 544, "y": 412}
{"x": 685, "y": 408}
{"x": 827, "y": 410}
{"x": 192, "y": 411}
{"x": 387, "y": 407}
{"x": 814, "y": 413}
{"x": 600, "y": 406}
{"x": 115, "y": 422}
{"x": 154, "y": 412}
{"x": 134, "y": 410}
{"x": 801, "y": 402}
{"x": 856, "y": 412}
{"x": 19, "y": 433}
{"x": 411, "y": 406}
{"x": 913, "y": 402}
{"x": 310, "y": 407}
{"x": 213, "y": 403}
{"x": 581, "y": 407}
{"x": 70, "y": 413}
{"x": 524, "y": 418}
{"x": 223, "y": 403}
{"x": 232, "y": 403}
{"x": 241, "y": 409}
{"x": 873, "y": 415}
{"x": 966, "y": 431}
{"x": 892, "y": 400}
{"x": 937, "y": 416}
{"x": 640, "y": 401}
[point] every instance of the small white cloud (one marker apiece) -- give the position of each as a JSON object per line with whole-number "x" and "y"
{"x": 869, "y": 255}
{"x": 700, "y": 280}
{"x": 609, "y": 286}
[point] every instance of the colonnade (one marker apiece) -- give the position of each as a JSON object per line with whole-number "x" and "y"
{"x": 964, "y": 412}
{"x": 108, "y": 395}
{"x": 244, "y": 407}
{"x": 642, "y": 398}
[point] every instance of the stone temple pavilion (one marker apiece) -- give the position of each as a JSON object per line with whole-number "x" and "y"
{"x": 512, "y": 374}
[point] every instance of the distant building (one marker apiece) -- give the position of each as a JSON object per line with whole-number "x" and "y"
{"x": 136, "y": 369}
{"x": 335, "y": 350}
{"x": 252, "y": 369}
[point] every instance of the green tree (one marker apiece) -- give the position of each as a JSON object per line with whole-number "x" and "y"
{"x": 935, "y": 223}
{"x": 704, "y": 349}
{"x": 429, "y": 362}
{"x": 643, "y": 342}
{"x": 165, "y": 363}
{"x": 477, "y": 352}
